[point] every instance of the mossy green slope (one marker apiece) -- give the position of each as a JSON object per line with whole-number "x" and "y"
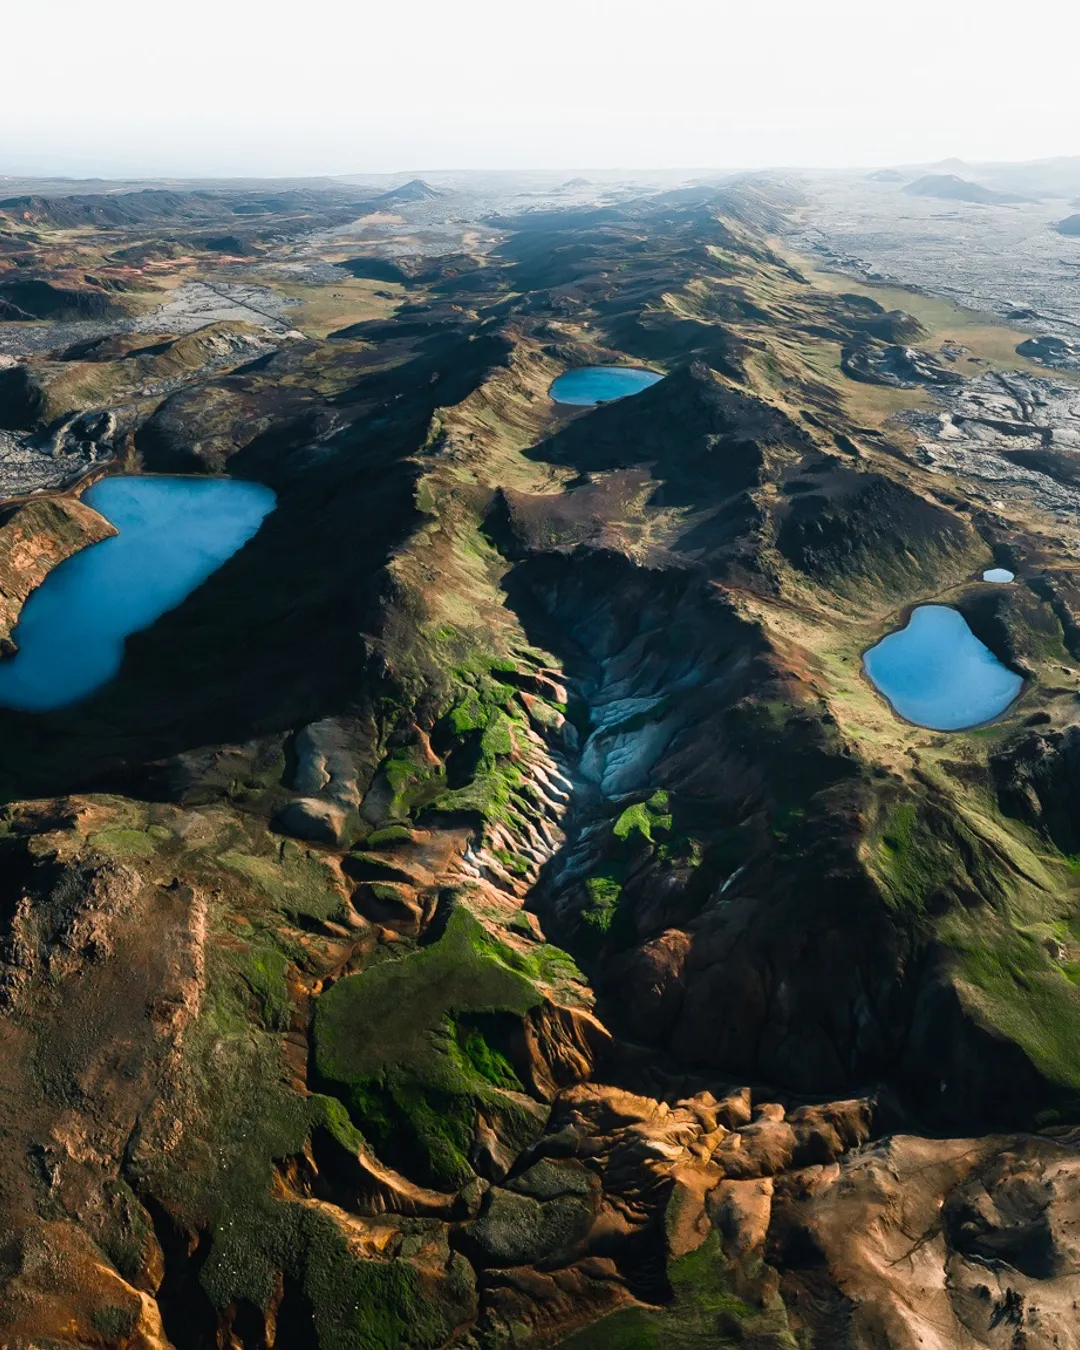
{"x": 409, "y": 1047}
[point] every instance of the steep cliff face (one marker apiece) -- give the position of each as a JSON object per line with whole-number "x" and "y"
{"x": 495, "y": 909}
{"x": 34, "y": 538}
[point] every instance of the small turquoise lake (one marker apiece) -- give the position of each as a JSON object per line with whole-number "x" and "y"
{"x": 173, "y": 533}
{"x": 586, "y": 386}
{"x": 936, "y": 673}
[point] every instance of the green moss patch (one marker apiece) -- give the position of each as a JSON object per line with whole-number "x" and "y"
{"x": 513, "y": 862}
{"x": 265, "y": 972}
{"x": 390, "y": 837}
{"x": 1013, "y": 983}
{"x": 354, "y": 1301}
{"x": 115, "y": 1322}
{"x": 645, "y": 818}
{"x": 704, "y": 1314}
{"x": 124, "y": 843}
{"x": 414, "y": 780}
{"x": 605, "y": 916}
{"x": 926, "y": 855}
{"x": 243, "y": 1117}
{"x": 296, "y": 881}
{"x": 410, "y": 1047}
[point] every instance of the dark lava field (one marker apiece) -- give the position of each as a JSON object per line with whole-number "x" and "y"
{"x": 494, "y": 909}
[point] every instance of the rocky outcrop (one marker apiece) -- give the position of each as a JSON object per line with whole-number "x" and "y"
{"x": 902, "y": 367}
{"x": 1054, "y": 352}
{"x": 34, "y": 537}
{"x": 36, "y": 298}
{"x": 1038, "y": 780}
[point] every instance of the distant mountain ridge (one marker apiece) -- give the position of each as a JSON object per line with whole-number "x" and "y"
{"x": 950, "y": 187}
{"x": 120, "y": 208}
{"x": 111, "y": 210}
{"x": 415, "y": 190}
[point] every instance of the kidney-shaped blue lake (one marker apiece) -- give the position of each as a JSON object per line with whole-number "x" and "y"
{"x": 586, "y": 386}
{"x": 936, "y": 672}
{"x": 173, "y": 532}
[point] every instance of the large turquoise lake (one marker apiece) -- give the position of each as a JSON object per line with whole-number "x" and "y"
{"x": 586, "y": 386}
{"x": 174, "y": 532}
{"x": 936, "y": 672}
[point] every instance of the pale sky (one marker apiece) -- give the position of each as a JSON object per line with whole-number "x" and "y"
{"x": 261, "y": 87}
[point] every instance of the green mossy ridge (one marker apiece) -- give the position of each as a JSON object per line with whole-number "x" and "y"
{"x": 265, "y": 973}
{"x": 220, "y": 1181}
{"x": 491, "y": 1064}
{"x": 220, "y": 1177}
{"x": 490, "y": 792}
{"x": 425, "y": 499}
{"x": 992, "y": 903}
{"x": 377, "y": 1305}
{"x": 704, "y": 1314}
{"x": 382, "y": 890}
{"x": 490, "y": 795}
{"x": 513, "y": 862}
{"x": 127, "y": 1232}
{"x": 125, "y": 843}
{"x": 388, "y": 837}
{"x": 414, "y": 780}
{"x": 474, "y": 733}
{"x": 924, "y": 854}
{"x": 357, "y": 1303}
{"x": 389, "y": 1042}
{"x": 684, "y": 850}
{"x": 484, "y": 700}
{"x": 605, "y": 916}
{"x": 604, "y": 889}
{"x": 297, "y": 881}
{"x": 1020, "y": 991}
{"x": 469, "y": 715}
{"x": 645, "y": 817}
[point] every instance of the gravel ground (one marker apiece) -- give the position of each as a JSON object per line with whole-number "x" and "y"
{"x": 26, "y": 465}
{"x": 194, "y": 304}
{"x": 997, "y": 259}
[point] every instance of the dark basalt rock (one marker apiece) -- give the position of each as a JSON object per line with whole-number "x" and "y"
{"x": 228, "y": 243}
{"x": 39, "y": 299}
{"x": 1038, "y": 780}
{"x": 902, "y": 367}
{"x": 1051, "y": 351}
{"x": 22, "y": 399}
{"x": 845, "y": 528}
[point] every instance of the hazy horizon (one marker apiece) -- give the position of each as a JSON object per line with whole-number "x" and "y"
{"x": 421, "y": 87}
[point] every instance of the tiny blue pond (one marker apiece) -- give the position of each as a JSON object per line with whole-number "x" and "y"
{"x": 173, "y": 532}
{"x": 586, "y": 386}
{"x": 1000, "y": 575}
{"x": 936, "y": 672}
